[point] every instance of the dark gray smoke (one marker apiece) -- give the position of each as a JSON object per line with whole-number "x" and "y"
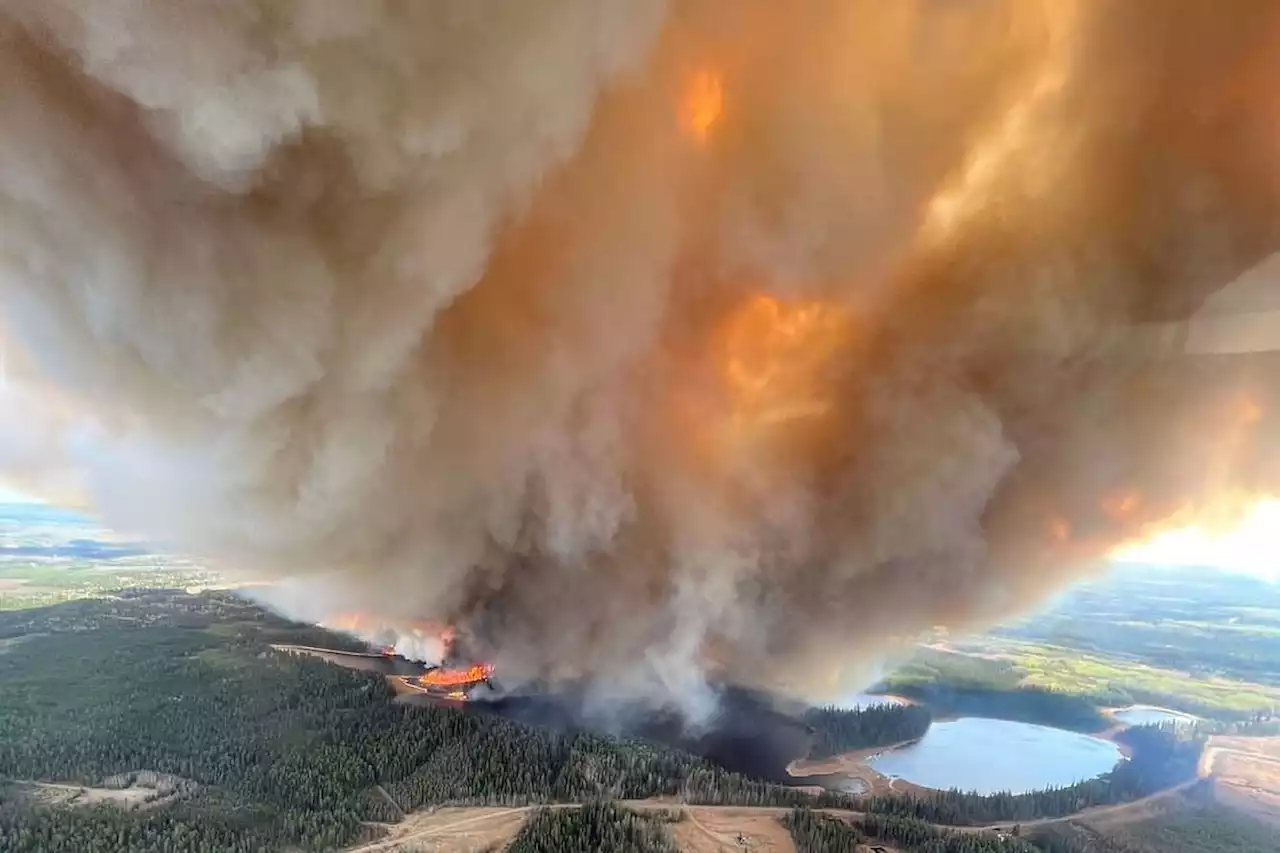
{"x": 638, "y": 341}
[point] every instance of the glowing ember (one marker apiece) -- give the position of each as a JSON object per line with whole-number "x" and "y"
{"x": 702, "y": 104}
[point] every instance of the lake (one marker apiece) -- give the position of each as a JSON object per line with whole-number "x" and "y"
{"x": 989, "y": 756}
{"x": 1146, "y": 715}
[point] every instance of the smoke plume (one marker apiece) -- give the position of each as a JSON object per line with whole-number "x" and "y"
{"x": 642, "y": 342}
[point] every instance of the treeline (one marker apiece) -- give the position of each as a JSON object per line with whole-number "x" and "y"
{"x": 1188, "y": 827}
{"x": 819, "y": 833}
{"x": 959, "y": 685}
{"x": 1254, "y": 725}
{"x": 1019, "y": 704}
{"x": 839, "y": 730}
{"x": 1163, "y": 756}
{"x": 285, "y": 750}
{"x": 207, "y": 823}
{"x": 596, "y": 826}
{"x": 931, "y": 665}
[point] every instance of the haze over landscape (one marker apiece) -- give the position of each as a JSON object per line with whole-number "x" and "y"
{"x": 562, "y": 424}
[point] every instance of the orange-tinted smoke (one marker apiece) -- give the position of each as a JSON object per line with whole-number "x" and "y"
{"x": 355, "y": 296}
{"x": 702, "y": 104}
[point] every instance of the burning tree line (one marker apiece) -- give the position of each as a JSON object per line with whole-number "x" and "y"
{"x": 287, "y": 750}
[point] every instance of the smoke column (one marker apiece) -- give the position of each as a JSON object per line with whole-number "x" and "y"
{"x": 642, "y": 342}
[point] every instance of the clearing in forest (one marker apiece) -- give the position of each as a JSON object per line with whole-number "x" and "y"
{"x": 1246, "y": 773}
{"x": 451, "y": 830}
{"x": 717, "y": 829}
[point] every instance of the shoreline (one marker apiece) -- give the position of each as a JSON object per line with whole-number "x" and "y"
{"x": 854, "y": 765}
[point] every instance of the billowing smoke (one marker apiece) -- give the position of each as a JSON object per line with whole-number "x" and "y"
{"x": 641, "y": 341}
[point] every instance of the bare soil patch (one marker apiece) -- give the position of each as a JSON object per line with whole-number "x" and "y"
{"x": 1246, "y": 774}
{"x": 715, "y": 829}
{"x": 855, "y": 766}
{"x": 141, "y": 789}
{"x": 451, "y": 830}
{"x": 1268, "y": 747}
{"x": 51, "y": 794}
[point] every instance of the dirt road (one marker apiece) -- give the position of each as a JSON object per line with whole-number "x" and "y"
{"x": 1212, "y": 754}
{"x": 437, "y": 828}
{"x": 499, "y": 825}
{"x": 1137, "y": 807}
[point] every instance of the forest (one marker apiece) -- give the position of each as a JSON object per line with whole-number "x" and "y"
{"x": 819, "y": 833}
{"x": 838, "y": 730}
{"x": 1020, "y": 704}
{"x": 596, "y": 826}
{"x": 282, "y": 749}
{"x": 1181, "y": 618}
{"x": 1162, "y": 756}
{"x": 1193, "y": 823}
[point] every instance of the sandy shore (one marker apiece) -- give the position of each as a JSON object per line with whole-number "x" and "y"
{"x": 854, "y": 765}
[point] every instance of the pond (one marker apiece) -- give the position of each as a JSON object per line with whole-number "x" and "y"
{"x": 989, "y": 756}
{"x": 1146, "y": 715}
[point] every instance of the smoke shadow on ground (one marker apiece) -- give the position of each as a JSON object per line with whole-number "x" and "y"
{"x": 747, "y": 733}
{"x": 750, "y": 732}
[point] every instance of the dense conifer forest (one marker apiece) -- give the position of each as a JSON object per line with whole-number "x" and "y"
{"x": 837, "y": 730}
{"x": 1018, "y": 703}
{"x": 259, "y": 750}
{"x": 819, "y": 833}
{"x": 1162, "y": 756}
{"x": 1191, "y": 824}
{"x": 595, "y": 826}
{"x": 281, "y": 749}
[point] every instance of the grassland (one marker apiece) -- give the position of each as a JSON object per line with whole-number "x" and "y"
{"x": 1194, "y": 640}
{"x": 1121, "y": 680}
{"x": 48, "y": 556}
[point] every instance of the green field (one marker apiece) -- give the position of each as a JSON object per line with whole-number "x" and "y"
{"x": 1193, "y": 640}
{"x": 49, "y": 556}
{"x": 1068, "y": 670}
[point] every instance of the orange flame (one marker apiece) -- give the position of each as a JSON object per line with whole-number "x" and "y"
{"x": 702, "y": 104}
{"x": 443, "y": 677}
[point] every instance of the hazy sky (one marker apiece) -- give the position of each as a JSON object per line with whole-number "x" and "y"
{"x": 11, "y": 496}
{"x": 1252, "y": 547}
